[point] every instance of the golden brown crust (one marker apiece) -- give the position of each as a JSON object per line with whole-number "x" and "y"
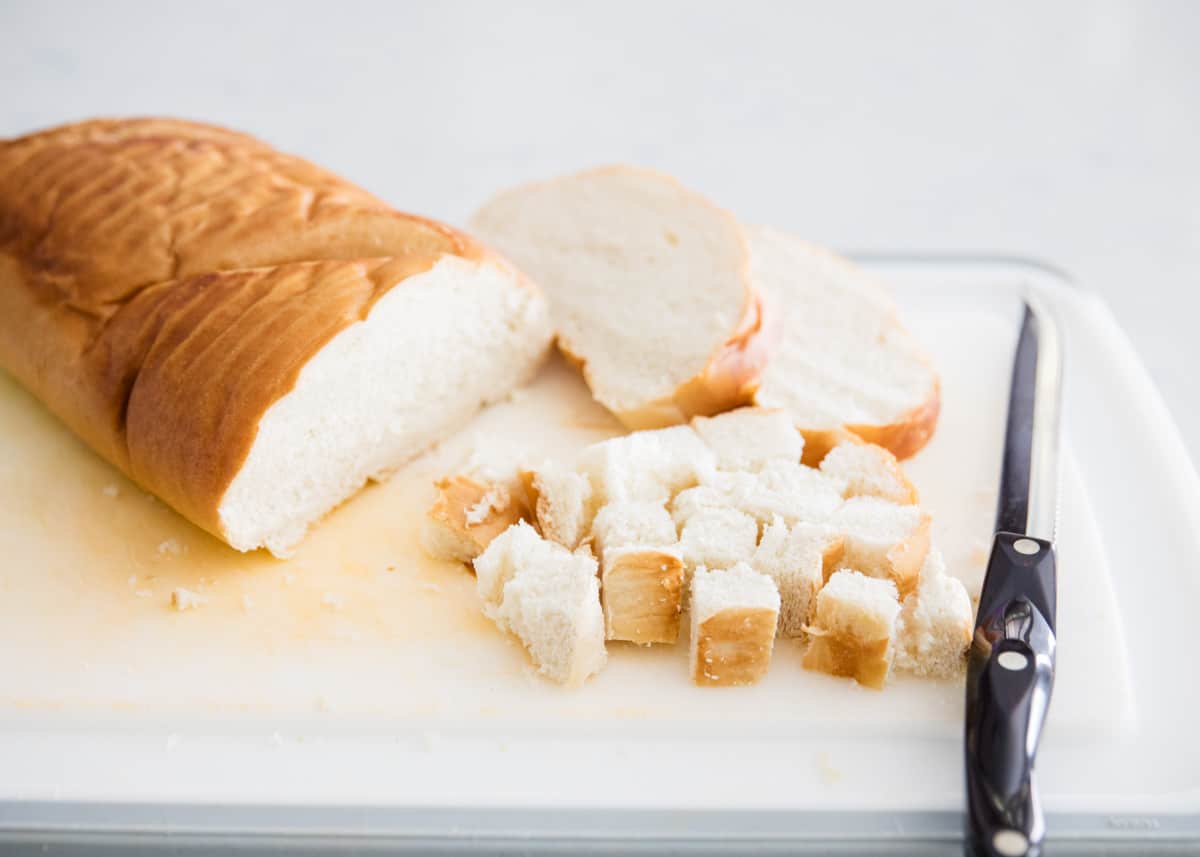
{"x": 463, "y": 528}
{"x": 906, "y": 437}
{"x": 163, "y": 282}
{"x": 831, "y": 558}
{"x": 903, "y": 438}
{"x": 729, "y": 380}
{"x": 641, "y": 592}
{"x": 904, "y": 560}
{"x": 866, "y": 661}
{"x": 733, "y": 647}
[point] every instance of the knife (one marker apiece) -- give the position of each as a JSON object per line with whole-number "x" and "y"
{"x": 1010, "y": 668}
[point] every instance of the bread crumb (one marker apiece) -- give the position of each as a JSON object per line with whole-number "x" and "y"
{"x": 332, "y": 601}
{"x": 112, "y": 490}
{"x": 186, "y": 599}
{"x": 322, "y": 703}
{"x": 829, "y": 774}
{"x": 389, "y": 568}
{"x": 495, "y": 499}
{"x": 172, "y": 547}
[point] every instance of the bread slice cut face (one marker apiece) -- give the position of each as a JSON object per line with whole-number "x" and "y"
{"x": 431, "y": 351}
{"x": 649, "y": 287}
{"x": 843, "y": 361}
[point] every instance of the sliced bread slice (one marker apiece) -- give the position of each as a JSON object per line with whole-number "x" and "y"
{"x": 844, "y": 361}
{"x": 854, "y": 628}
{"x": 649, "y": 288}
{"x": 734, "y": 614}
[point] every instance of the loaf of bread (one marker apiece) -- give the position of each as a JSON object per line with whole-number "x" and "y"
{"x": 244, "y": 334}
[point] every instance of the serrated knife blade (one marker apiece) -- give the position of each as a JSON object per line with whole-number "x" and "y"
{"x": 1010, "y": 671}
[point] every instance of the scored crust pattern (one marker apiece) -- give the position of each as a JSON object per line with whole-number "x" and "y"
{"x": 162, "y": 283}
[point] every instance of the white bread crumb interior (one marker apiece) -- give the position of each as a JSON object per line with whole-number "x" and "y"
{"x": 429, "y": 354}
{"x": 549, "y": 597}
{"x": 646, "y": 279}
{"x": 844, "y": 359}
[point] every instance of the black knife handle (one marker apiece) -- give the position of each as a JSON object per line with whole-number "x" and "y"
{"x": 1010, "y": 675}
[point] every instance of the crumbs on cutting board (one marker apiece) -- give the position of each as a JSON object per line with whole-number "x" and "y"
{"x": 186, "y": 599}
{"x": 830, "y": 775}
{"x": 171, "y": 547}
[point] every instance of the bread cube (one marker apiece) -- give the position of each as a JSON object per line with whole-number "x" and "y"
{"x": 554, "y": 608}
{"x": 692, "y": 500}
{"x": 642, "y": 593}
{"x": 784, "y": 489}
{"x": 798, "y": 559}
{"x": 747, "y": 438}
{"x": 717, "y": 538}
{"x": 869, "y": 470}
{"x": 854, "y": 628}
{"x": 883, "y": 539}
{"x": 549, "y": 597}
{"x": 935, "y": 623}
{"x": 517, "y": 547}
{"x": 647, "y": 465}
{"x": 622, "y": 524}
{"x": 780, "y": 489}
{"x": 734, "y": 614}
{"x": 562, "y": 503}
{"x": 465, "y": 517}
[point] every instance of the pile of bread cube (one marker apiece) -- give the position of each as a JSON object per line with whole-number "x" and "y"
{"x": 719, "y": 521}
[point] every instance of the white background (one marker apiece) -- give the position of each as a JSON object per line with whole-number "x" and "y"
{"x": 1062, "y": 131}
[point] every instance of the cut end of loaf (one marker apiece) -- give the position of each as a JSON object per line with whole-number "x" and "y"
{"x": 432, "y": 351}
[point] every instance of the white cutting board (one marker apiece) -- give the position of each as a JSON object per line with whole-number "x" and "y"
{"x": 360, "y": 632}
